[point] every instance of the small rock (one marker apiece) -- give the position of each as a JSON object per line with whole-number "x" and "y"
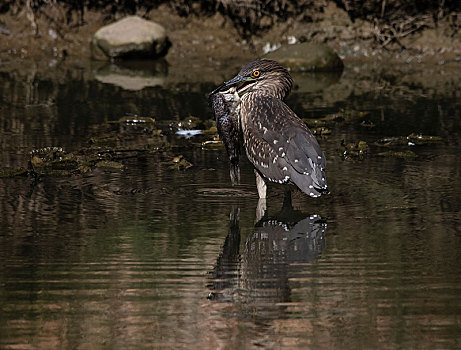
{"x": 131, "y": 37}
{"x": 307, "y": 57}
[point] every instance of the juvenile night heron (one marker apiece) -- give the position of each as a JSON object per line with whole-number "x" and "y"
{"x": 249, "y": 110}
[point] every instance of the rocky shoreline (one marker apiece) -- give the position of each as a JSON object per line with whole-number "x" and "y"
{"x": 215, "y": 38}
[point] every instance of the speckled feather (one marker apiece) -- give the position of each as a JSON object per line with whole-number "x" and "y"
{"x": 276, "y": 141}
{"x": 280, "y": 145}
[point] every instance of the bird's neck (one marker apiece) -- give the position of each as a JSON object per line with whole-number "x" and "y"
{"x": 279, "y": 88}
{"x": 277, "y": 93}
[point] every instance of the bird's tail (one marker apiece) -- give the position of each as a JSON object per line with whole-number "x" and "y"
{"x": 319, "y": 181}
{"x": 313, "y": 185}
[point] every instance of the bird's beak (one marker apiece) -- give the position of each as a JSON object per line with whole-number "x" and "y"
{"x": 237, "y": 80}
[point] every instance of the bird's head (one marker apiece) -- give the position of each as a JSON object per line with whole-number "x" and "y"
{"x": 262, "y": 76}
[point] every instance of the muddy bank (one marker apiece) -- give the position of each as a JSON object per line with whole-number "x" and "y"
{"x": 217, "y": 37}
{"x": 209, "y": 48}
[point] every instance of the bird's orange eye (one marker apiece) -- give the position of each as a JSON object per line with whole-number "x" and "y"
{"x": 256, "y": 73}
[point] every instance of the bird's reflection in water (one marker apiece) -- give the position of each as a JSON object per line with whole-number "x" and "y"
{"x": 278, "y": 248}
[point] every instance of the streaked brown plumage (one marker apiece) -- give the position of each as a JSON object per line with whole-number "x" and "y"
{"x": 278, "y": 143}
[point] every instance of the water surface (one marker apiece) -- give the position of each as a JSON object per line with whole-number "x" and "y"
{"x": 148, "y": 257}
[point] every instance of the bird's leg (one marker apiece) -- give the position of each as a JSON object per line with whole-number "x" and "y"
{"x": 261, "y": 184}
{"x": 261, "y": 209}
{"x": 234, "y": 173}
{"x": 287, "y": 204}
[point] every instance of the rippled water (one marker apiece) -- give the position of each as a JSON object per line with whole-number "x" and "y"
{"x": 148, "y": 257}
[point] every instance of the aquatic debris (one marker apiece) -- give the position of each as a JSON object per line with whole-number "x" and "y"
{"x": 401, "y": 154}
{"x": 212, "y": 130}
{"x": 190, "y": 123}
{"x": 361, "y": 148}
{"x": 343, "y": 116}
{"x": 109, "y": 165}
{"x": 137, "y": 120}
{"x": 321, "y": 131}
{"x": 130, "y": 133}
{"x": 327, "y": 121}
{"x": 419, "y": 139}
{"x": 13, "y": 173}
{"x": 54, "y": 161}
{"x": 367, "y": 124}
{"x": 123, "y": 128}
{"x": 193, "y": 126}
{"x": 411, "y": 140}
{"x": 136, "y": 123}
{"x": 47, "y": 154}
{"x": 188, "y": 133}
{"x": 354, "y": 150}
{"x": 214, "y": 144}
{"x": 180, "y": 163}
{"x": 110, "y": 143}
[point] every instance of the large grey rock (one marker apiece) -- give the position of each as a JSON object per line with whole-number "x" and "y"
{"x": 131, "y": 37}
{"x": 307, "y": 57}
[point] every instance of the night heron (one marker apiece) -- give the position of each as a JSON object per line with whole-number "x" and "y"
{"x": 250, "y": 111}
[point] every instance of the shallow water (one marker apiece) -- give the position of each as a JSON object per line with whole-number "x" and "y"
{"x": 148, "y": 257}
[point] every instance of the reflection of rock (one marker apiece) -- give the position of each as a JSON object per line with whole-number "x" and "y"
{"x": 307, "y": 57}
{"x": 312, "y": 82}
{"x": 277, "y": 249}
{"x": 133, "y": 75}
{"x": 131, "y": 37}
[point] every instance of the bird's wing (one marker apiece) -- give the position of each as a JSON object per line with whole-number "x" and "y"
{"x": 280, "y": 145}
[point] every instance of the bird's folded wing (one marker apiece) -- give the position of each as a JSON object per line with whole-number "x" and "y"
{"x": 275, "y": 137}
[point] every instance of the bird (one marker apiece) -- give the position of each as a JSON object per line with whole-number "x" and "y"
{"x": 251, "y": 114}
